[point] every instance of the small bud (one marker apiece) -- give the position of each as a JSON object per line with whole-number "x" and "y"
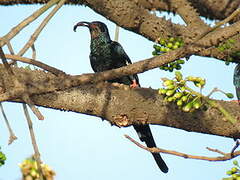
{"x": 178, "y": 75}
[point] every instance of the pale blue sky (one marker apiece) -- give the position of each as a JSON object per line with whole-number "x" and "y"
{"x": 77, "y": 146}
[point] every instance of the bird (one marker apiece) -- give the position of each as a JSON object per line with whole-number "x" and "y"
{"x": 106, "y": 55}
{"x": 236, "y": 81}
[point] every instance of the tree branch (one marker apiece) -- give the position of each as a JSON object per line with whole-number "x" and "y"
{"x": 225, "y": 157}
{"x": 121, "y": 105}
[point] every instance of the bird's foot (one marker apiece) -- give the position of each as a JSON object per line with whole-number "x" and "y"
{"x": 134, "y": 84}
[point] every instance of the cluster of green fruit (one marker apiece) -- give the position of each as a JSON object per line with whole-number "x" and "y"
{"x": 234, "y": 172}
{"x": 227, "y": 46}
{"x": 30, "y": 171}
{"x": 176, "y": 91}
{"x": 2, "y": 158}
{"x": 164, "y": 46}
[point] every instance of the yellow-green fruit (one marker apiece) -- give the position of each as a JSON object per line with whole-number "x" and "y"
{"x": 229, "y": 172}
{"x": 167, "y": 49}
{"x": 196, "y": 105}
{"x": 170, "y": 99}
{"x": 162, "y": 91}
{"x": 162, "y": 49}
{"x": 33, "y": 173}
{"x": 168, "y": 82}
{"x": 198, "y": 79}
{"x": 202, "y": 82}
{"x": 234, "y": 170}
{"x": 171, "y": 87}
{"x": 235, "y": 162}
{"x": 170, "y": 92}
{"x": 175, "y": 46}
{"x": 197, "y": 84}
{"x": 171, "y": 39}
{"x": 162, "y": 42}
{"x": 178, "y": 95}
{"x": 179, "y": 103}
{"x": 183, "y": 88}
{"x": 238, "y": 178}
{"x": 229, "y": 95}
{"x": 184, "y": 98}
{"x": 177, "y": 43}
{"x": 191, "y": 78}
{"x": 170, "y": 45}
{"x": 234, "y": 175}
{"x": 187, "y": 107}
{"x": 28, "y": 178}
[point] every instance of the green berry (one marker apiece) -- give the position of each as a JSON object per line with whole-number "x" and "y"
{"x": 184, "y": 98}
{"x": 187, "y": 107}
{"x": 163, "y": 49}
{"x": 171, "y": 39}
{"x": 170, "y": 92}
{"x": 162, "y": 42}
{"x": 177, "y": 43}
{"x": 175, "y": 46}
{"x": 235, "y": 162}
{"x": 179, "y": 103}
{"x": 171, "y": 86}
{"x": 196, "y": 105}
{"x": 197, "y": 84}
{"x": 234, "y": 176}
{"x": 170, "y": 45}
{"x": 170, "y": 99}
{"x": 178, "y": 95}
{"x": 221, "y": 48}
{"x": 180, "y": 61}
{"x": 229, "y": 172}
{"x": 234, "y": 170}
{"x": 162, "y": 91}
{"x": 229, "y": 95}
{"x": 167, "y": 49}
{"x": 178, "y": 67}
{"x": 168, "y": 82}
{"x": 154, "y": 53}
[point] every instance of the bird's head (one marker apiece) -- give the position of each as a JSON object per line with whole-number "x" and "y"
{"x": 96, "y": 28}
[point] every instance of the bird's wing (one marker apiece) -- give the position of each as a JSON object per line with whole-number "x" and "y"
{"x": 123, "y": 58}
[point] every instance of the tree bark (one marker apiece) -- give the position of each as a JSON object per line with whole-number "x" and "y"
{"x": 119, "y": 104}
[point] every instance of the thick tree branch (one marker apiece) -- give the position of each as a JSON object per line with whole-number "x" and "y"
{"x": 211, "y": 9}
{"x": 120, "y": 105}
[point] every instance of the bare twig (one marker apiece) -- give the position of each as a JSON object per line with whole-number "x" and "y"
{"x": 226, "y": 156}
{"x": 34, "y": 143}
{"x": 26, "y": 21}
{"x": 12, "y": 136}
{"x": 46, "y": 67}
{"x": 35, "y": 35}
{"x": 20, "y": 86}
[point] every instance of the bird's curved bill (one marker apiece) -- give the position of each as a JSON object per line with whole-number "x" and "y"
{"x": 82, "y": 23}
